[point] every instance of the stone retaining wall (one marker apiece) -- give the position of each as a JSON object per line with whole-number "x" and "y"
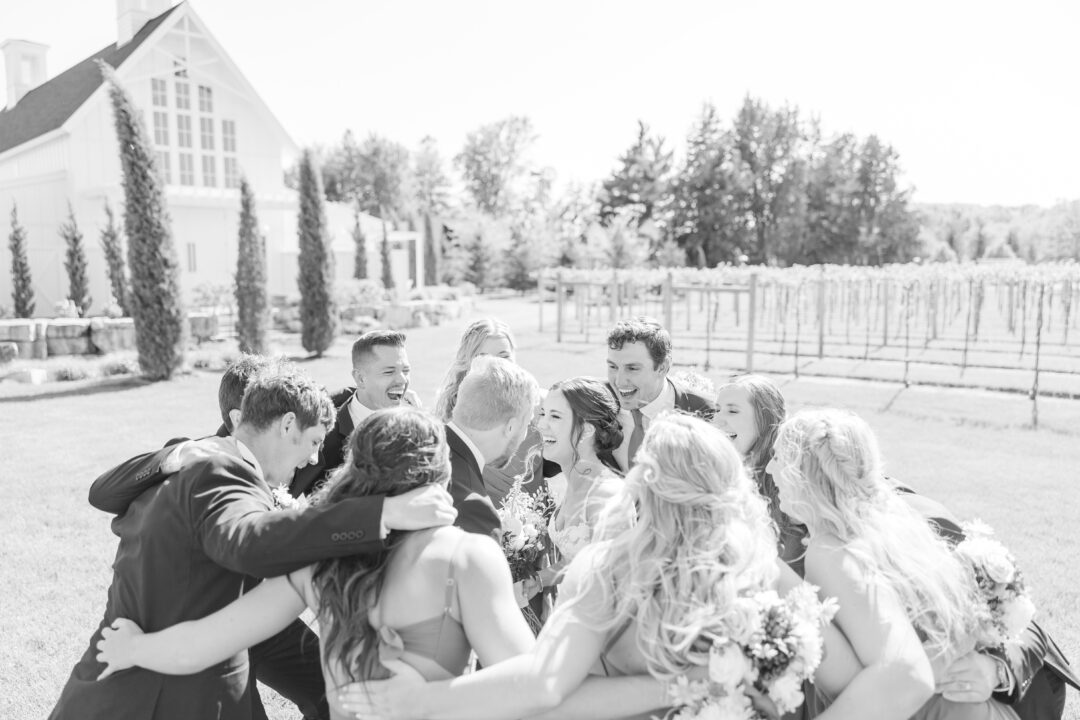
{"x": 37, "y": 339}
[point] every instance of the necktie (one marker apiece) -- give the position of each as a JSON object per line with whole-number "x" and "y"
{"x": 635, "y": 437}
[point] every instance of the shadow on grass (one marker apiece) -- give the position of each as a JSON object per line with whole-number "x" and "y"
{"x": 93, "y": 388}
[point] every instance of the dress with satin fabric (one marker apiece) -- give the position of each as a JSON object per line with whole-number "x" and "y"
{"x": 436, "y": 647}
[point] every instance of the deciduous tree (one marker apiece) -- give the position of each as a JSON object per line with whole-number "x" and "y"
{"x": 493, "y": 161}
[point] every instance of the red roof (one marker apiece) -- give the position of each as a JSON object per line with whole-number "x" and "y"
{"x": 49, "y": 105}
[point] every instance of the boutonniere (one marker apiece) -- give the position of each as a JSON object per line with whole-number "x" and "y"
{"x": 284, "y": 501}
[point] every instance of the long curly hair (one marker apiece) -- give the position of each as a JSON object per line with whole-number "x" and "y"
{"x": 592, "y": 403}
{"x": 831, "y": 465}
{"x": 391, "y": 452}
{"x": 468, "y": 348}
{"x": 702, "y": 538}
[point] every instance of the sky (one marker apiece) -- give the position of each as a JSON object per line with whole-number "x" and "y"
{"x": 980, "y": 99}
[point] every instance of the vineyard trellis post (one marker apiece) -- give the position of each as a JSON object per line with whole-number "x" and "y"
{"x": 540, "y": 289}
{"x": 885, "y": 313}
{"x": 709, "y": 325}
{"x": 821, "y": 315}
{"x": 1038, "y": 346}
{"x": 614, "y": 299}
{"x": 907, "y": 332}
{"x": 587, "y": 299}
{"x": 798, "y": 324}
{"x": 558, "y": 306}
{"x": 669, "y": 301}
{"x": 967, "y": 325}
{"x": 752, "y": 323}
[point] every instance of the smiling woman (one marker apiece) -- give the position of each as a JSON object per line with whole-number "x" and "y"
{"x": 579, "y": 423}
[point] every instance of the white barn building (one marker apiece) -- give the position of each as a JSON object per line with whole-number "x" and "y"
{"x": 208, "y": 125}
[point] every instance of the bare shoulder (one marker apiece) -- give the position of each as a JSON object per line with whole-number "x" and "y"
{"x": 474, "y": 552}
{"x": 827, "y": 556}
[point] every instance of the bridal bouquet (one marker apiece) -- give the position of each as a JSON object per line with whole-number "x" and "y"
{"x": 760, "y": 653}
{"x": 525, "y": 539}
{"x": 1008, "y": 606}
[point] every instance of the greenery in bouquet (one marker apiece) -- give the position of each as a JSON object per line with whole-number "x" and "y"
{"x": 1007, "y": 608}
{"x": 758, "y": 656}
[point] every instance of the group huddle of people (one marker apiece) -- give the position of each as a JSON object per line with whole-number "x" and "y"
{"x": 667, "y": 503}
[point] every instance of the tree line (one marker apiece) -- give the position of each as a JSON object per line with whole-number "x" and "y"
{"x": 764, "y": 187}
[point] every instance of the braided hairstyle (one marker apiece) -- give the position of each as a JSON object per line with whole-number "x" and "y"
{"x": 591, "y": 403}
{"x": 832, "y": 478}
{"x": 391, "y": 452}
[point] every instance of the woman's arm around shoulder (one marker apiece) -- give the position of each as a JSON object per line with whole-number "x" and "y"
{"x": 195, "y": 645}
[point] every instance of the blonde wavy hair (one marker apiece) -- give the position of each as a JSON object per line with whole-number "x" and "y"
{"x": 832, "y": 472}
{"x": 475, "y": 335}
{"x": 703, "y": 537}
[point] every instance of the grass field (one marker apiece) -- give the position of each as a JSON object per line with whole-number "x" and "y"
{"x": 969, "y": 449}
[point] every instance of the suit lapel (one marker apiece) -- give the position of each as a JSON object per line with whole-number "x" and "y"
{"x": 458, "y": 447}
{"x": 344, "y": 421}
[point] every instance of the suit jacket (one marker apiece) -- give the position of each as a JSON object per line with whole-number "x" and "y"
{"x": 331, "y": 455}
{"x": 689, "y": 401}
{"x": 476, "y": 512}
{"x": 186, "y": 545}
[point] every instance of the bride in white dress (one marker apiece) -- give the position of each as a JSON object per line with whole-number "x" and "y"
{"x": 579, "y": 424}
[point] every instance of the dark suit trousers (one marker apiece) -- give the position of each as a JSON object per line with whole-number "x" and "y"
{"x": 289, "y": 663}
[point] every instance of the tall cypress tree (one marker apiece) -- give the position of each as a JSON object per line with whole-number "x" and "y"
{"x": 160, "y": 325}
{"x": 75, "y": 264}
{"x": 431, "y": 254}
{"x": 253, "y": 320}
{"x": 22, "y": 286}
{"x": 384, "y": 253}
{"x": 114, "y": 259}
{"x": 360, "y": 270}
{"x": 318, "y": 312}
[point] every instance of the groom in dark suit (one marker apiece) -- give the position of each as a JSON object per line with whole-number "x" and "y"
{"x": 495, "y": 405}
{"x": 638, "y": 363}
{"x": 192, "y": 544}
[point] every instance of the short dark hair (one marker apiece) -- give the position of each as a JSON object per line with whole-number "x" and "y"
{"x": 235, "y": 381}
{"x": 644, "y": 330}
{"x": 373, "y": 339}
{"x": 280, "y": 389}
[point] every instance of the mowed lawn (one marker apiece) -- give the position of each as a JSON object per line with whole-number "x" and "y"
{"x": 970, "y": 450}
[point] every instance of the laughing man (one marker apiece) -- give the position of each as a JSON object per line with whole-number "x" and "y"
{"x": 638, "y": 362}
{"x": 380, "y": 368}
